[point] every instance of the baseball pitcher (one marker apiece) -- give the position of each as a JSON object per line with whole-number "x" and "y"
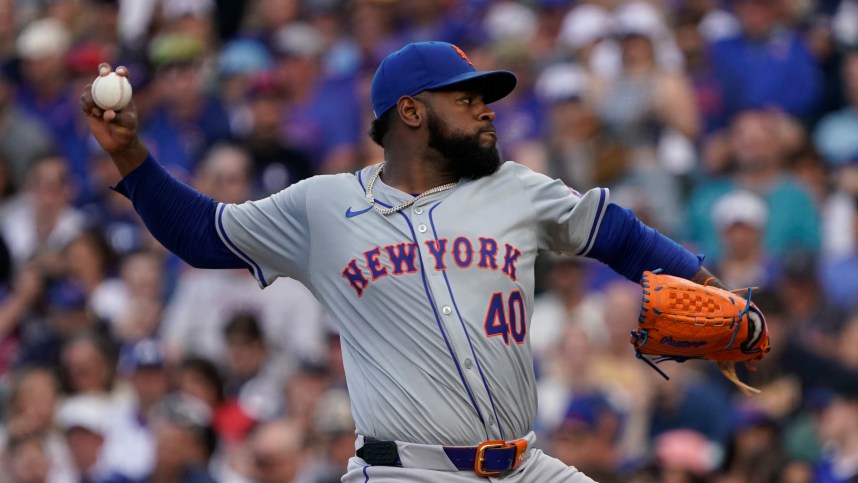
{"x": 425, "y": 261}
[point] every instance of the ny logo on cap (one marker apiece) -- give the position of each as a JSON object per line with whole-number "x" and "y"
{"x": 462, "y": 54}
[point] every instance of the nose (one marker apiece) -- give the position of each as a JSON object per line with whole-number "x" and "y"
{"x": 487, "y": 115}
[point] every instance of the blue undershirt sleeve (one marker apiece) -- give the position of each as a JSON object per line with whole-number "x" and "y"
{"x": 179, "y": 217}
{"x": 629, "y": 247}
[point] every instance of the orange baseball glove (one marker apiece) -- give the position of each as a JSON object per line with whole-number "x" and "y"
{"x": 683, "y": 320}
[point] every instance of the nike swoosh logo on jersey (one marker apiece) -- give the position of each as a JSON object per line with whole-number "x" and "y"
{"x": 350, "y": 213}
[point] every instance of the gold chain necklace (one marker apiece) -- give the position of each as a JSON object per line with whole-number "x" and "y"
{"x": 390, "y": 211}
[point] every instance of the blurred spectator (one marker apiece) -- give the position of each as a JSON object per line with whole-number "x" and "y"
{"x": 92, "y": 266}
{"x": 320, "y": 114}
{"x": 97, "y": 21}
{"x": 276, "y": 163}
{"x": 31, "y": 404}
{"x": 200, "y": 379}
{"x": 577, "y": 150}
{"x": 45, "y": 90}
{"x": 585, "y": 35}
{"x": 838, "y": 432}
{"x": 277, "y": 451}
{"x": 808, "y": 307}
{"x": 23, "y": 137}
{"x": 26, "y": 459}
{"x": 184, "y": 441}
{"x": 569, "y": 374}
{"x": 247, "y": 356}
{"x": 238, "y": 63}
{"x": 226, "y": 174}
{"x": 565, "y": 303}
{"x": 689, "y": 401}
{"x": 587, "y": 436}
{"x": 740, "y": 218}
{"x": 753, "y": 451}
{"x": 129, "y": 428}
{"x": 303, "y": 391}
{"x": 373, "y": 29}
{"x": 89, "y": 367}
{"x": 683, "y": 456}
{"x": 186, "y": 120}
{"x": 62, "y": 317}
{"x": 550, "y": 15}
{"x": 43, "y": 220}
{"x": 30, "y": 411}
{"x": 84, "y": 421}
{"x": 767, "y": 65}
{"x": 759, "y": 142}
{"x": 691, "y": 39}
{"x": 334, "y": 429}
{"x": 834, "y": 133}
{"x": 142, "y": 297}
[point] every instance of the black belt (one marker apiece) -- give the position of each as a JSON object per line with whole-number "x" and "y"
{"x": 489, "y": 458}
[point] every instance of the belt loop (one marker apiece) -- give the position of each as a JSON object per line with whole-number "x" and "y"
{"x": 379, "y": 453}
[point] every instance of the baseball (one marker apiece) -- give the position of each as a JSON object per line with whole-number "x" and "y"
{"x": 111, "y": 92}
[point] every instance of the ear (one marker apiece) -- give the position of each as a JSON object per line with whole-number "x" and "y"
{"x": 411, "y": 111}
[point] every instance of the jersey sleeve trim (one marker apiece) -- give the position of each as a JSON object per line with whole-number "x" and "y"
{"x": 600, "y": 213}
{"x": 257, "y": 270}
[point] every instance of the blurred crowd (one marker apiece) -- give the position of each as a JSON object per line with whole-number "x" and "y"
{"x": 731, "y": 126}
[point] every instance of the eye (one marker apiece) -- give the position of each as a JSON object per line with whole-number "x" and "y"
{"x": 467, "y": 100}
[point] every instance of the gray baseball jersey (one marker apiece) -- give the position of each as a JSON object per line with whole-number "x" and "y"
{"x": 432, "y": 303}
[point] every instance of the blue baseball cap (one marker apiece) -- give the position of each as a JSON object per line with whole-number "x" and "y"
{"x": 423, "y": 66}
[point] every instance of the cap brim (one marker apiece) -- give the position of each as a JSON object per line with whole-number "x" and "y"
{"x": 494, "y": 85}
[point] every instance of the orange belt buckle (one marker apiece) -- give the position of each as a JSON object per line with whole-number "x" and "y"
{"x": 520, "y": 446}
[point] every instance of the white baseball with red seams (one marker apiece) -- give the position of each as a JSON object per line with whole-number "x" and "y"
{"x": 111, "y": 91}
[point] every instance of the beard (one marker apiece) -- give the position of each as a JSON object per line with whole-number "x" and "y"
{"x": 462, "y": 154}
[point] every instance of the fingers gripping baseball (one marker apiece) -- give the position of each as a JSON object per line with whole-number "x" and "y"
{"x": 115, "y": 130}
